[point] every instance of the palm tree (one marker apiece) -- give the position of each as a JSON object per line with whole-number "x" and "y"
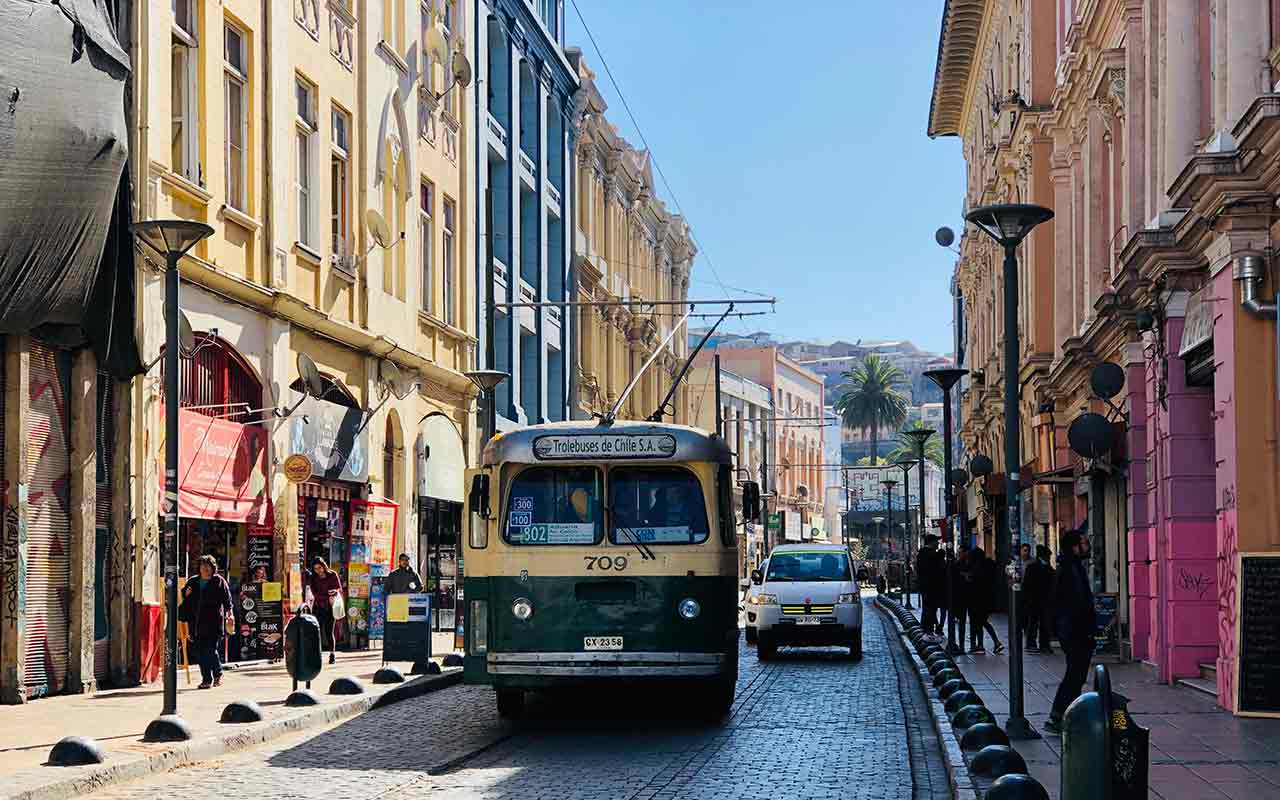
{"x": 904, "y": 447}
{"x": 868, "y": 400}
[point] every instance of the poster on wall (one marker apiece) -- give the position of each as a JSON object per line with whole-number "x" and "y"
{"x": 377, "y": 607}
{"x": 374, "y": 524}
{"x": 358, "y": 579}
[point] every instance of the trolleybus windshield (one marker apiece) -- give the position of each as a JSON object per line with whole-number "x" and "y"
{"x": 656, "y": 505}
{"x": 555, "y": 505}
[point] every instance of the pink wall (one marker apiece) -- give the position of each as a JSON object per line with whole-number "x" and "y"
{"x": 1141, "y": 587}
{"x": 1227, "y": 546}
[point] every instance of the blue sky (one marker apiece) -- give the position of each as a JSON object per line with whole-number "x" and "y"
{"x": 793, "y": 135}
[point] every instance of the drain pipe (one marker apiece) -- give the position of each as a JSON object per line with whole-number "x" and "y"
{"x": 1249, "y": 271}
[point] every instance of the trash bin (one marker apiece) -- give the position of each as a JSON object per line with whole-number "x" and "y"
{"x": 302, "y": 652}
{"x": 1097, "y": 730}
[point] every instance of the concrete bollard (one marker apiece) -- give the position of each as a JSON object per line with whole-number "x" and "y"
{"x": 942, "y": 677}
{"x": 1016, "y": 787}
{"x": 959, "y": 700}
{"x": 167, "y": 728}
{"x": 388, "y": 675}
{"x": 241, "y": 712}
{"x": 300, "y": 698}
{"x": 982, "y": 735}
{"x": 968, "y": 716}
{"x": 76, "y": 751}
{"x": 952, "y": 686}
{"x": 998, "y": 760}
{"x": 346, "y": 686}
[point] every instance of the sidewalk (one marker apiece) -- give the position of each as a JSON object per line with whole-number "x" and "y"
{"x": 1197, "y": 749}
{"x": 117, "y": 719}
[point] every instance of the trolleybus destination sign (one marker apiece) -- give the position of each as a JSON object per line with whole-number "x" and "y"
{"x": 605, "y": 445}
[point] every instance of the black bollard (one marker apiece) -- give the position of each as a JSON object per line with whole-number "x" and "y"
{"x": 952, "y": 686}
{"x": 959, "y": 700}
{"x": 982, "y": 735}
{"x": 943, "y": 676}
{"x": 167, "y": 728}
{"x": 452, "y": 660}
{"x": 76, "y": 751}
{"x": 300, "y": 698}
{"x": 388, "y": 675}
{"x": 1016, "y": 787}
{"x": 969, "y": 716}
{"x": 346, "y": 686}
{"x": 241, "y": 712}
{"x": 998, "y": 760}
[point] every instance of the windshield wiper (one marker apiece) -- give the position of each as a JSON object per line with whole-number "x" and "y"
{"x": 645, "y": 553}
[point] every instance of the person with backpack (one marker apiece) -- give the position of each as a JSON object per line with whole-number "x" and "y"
{"x": 206, "y": 607}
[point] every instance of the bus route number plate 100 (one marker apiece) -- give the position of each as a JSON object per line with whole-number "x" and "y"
{"x": 602, "y": 643}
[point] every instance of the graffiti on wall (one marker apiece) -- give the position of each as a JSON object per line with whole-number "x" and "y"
{"x": 14, "y": 562}
{"x": 1228, "y": 555}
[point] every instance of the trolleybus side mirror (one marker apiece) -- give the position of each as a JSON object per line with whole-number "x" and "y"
{"x": 751, "y": 501}
{"x": 757, "y": 577}
{"x": 479, "y": 499}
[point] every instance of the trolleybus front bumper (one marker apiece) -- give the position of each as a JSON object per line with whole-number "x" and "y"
{"x": 606, "y": 664}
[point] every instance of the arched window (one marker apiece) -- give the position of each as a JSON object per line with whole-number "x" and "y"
{"x": 217, "y": 382}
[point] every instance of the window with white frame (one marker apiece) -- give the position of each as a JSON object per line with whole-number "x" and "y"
{"x": 305, "y": 121}
{"x": 235, "y": 80}
{"x": 447, "y": 264}
{"x": 446, "y": 17}
{"x": 184, "y": 156}
{"x": 340, "y": 187}
{"x": 426, "y": 225}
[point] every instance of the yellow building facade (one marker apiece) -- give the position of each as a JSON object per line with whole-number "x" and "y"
{"x": 284, "y": 125}
{"x": 628, "y": 249}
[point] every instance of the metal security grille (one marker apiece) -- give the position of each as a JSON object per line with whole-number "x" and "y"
{"x": 48, "y": 587}
{"x": 105, "y": 449}
{"x": 217, "y": 383}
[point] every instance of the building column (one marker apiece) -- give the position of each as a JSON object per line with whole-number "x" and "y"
{"x": 278, "y": 375}
{"x": 1142, "y": 589}
{"x": 82, "y": 407}
{"x": 1179, "y": 89}
{"x": 1135, "y": 123}
{"x": 120, "y": 595}
{"x": 13, "y": 556}
{"x": 1246, "y": 26}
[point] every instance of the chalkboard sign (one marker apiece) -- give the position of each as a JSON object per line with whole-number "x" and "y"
{"x": 261, "y": 554}
{"x": 1106, "y": 608}
{"x": 261, "y": 621}
{"x": 1259, "y": 659}
{"x": 406, "y": 633}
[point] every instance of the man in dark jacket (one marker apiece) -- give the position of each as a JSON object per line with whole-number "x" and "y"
{"x": 206, "y": 603}
{"x": 984, "y": 575}
{"x": 1037, "y": 588}
{"x": 404, "y": 579}
{"x": 1073, "y": 621}
{"x": 931, "y": 571}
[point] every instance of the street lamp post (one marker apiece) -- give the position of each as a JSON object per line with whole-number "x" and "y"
{"x": 171, "y": 238}
{"x": 1008, "y": 225}
{"x": 906, "y": 465}
{"x": 877, "y": 521}
{"x": 945, "y": 379}
{"x": 889, "y": 483}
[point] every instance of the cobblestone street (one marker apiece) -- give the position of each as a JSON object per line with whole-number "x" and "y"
{"x": 810, "y": 725}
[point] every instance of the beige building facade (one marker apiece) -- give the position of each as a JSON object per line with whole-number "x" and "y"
{"x": 628, "y": 249}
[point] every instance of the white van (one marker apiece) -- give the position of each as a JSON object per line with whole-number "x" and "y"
{"x": 750, "y": 605}
{"x": 807, "y": 597}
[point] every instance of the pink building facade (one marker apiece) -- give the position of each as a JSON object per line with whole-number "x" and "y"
{"x": 1151, "y": 128}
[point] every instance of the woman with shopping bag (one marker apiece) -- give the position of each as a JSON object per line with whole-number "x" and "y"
{"x": 326, "y": 603}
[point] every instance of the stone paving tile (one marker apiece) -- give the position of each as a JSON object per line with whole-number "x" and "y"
{"x": 810, "y": 725}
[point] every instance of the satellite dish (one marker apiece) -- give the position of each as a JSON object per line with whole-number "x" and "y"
{"x": 389, "y": 374}
{"x": 186, "y": 336}
{"x": 378, "y": 228}
{"x": 461, "y": 68}
{"x": 311, "y": 381}
{"x": 959, "y": 477}
{"x": 1107, "y": 379}
{"x": 980, "y": 466}
{"x": 944, "y": 236}
{"x": 1091, "y": 435}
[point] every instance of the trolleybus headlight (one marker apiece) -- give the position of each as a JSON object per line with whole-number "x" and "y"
{"x": 847, "y": 598}
{"x": 689, "y": 608}
{"x": 522, "y": 608}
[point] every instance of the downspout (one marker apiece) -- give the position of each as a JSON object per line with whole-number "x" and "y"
{"x": 1249, "y": 271}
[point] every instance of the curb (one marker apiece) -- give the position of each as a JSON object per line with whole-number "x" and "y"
{"x": 962, "y": 785}
{"x": 124, "y": 766}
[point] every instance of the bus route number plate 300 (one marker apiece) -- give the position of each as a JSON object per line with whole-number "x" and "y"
{"x": 602, "y": 643}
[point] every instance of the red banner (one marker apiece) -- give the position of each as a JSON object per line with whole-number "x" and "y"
{"x": 221, "y": 472}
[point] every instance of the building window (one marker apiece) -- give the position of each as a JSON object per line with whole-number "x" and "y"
{"x": 446, "y": 17}
{"x": 236, "y": 76}
{"x": 340, "y": 186}
{"x": 305, "y": 121}
{"x": 447, "y": 266}
{"x": 426, "y": 225}
{"x": 184, "y": 78}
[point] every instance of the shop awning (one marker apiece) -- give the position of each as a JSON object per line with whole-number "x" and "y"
{"x": 442, "y": 463}
{"x": 1197, "y": 327}
{"x": 221, "y": 469}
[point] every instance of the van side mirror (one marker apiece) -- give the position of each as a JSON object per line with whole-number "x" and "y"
{"x": 751, "y": 501}
{"x": 479, "y": 497}
{"x": 757, "y": 577}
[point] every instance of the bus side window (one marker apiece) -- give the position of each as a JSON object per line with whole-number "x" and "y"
{"x": 724, "y": 498}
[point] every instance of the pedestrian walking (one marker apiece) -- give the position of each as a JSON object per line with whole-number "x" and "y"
{"x": 1037, "y": 588}
{"x": 956, "y": 603}
{"x": 1073, "y": 621}
{"x": 983, "y": 586}
{"x": 326, "y": 591}
{"x": 404, "y": 579}
{"x": 206, "y": 607}
{"x": 931, "y": 570}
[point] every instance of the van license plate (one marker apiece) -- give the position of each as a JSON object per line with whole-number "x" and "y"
{"x": 602, "y": 643}
{"x": 809, "y": 621}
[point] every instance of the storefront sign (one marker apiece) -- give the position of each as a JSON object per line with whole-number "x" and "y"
{"x": 297, "y": 468}
{"x": 774, "y": 522}
{"x": 791, "y": 526}
{"x": 620, "y": 445}
{"x": 335, "y": 439}
{"x": 442, "y": 460}
{"x": 220, "y": 469}
{"x": 407, "y": 631}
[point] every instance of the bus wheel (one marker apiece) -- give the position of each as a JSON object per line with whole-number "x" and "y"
{"x": 766, "y": 649}
{"x": 510, "y": 703}
{"x": 855, "y": 645}
{"x": 717, "y": 698}
{"x": 751, "y": 634}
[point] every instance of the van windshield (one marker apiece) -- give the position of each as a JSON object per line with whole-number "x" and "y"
{"x": 814, "y": 566}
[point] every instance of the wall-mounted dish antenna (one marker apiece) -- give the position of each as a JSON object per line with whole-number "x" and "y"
{"x": 378, "y": 229}
{"x": 980, "y": 466}
{"x": 1107, "y": 380}
{"x": 390, "y": 379}
{"x": 1091, "y": 435}
{"x": 187, "y": 344}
